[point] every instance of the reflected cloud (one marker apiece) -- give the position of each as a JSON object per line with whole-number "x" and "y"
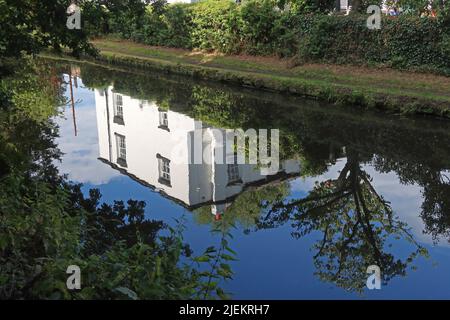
{"x": 406, "y": 199}
{"x": 79, "y": 160}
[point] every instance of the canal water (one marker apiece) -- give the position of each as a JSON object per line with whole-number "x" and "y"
{"x": 352, "y": 189}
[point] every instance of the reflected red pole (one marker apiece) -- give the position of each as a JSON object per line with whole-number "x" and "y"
{"x": 73, "y": 105}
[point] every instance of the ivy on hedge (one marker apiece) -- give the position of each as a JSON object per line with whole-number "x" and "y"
{"x": 257, "y": 27}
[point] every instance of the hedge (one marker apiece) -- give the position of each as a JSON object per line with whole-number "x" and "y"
{"x": 257, "y": 27}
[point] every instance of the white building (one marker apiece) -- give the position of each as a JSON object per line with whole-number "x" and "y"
{"x": 155, "y": 147}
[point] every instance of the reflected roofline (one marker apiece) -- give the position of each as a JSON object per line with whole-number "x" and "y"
{"x": 272, "y": 179}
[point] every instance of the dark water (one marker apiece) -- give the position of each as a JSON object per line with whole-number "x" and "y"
{"x": 354, "y": 189}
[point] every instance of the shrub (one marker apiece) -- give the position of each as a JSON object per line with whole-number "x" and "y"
{"x": 258, "y": 19}
{"x": 215, "y": 26}
{"x": 404, "y": 42}
{"x": 259, "y": 27}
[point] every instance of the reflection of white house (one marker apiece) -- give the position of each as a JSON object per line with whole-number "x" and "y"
{"x": 155, "y": 147}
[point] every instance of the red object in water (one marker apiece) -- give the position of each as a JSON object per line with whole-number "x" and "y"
{"x": 217, "y": 217}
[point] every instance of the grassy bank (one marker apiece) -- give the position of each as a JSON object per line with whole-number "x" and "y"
{"x": 385, "y": 89}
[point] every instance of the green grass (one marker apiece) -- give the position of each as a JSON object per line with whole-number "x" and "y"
{"x": 179, "y": 56}
{"x": 388, "y": 89}
{"x": 377, "y": 80}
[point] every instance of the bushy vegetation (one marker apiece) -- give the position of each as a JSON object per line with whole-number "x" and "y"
{"x": 403, "y": 42}
{"x": 302, "y": 31}
{"x": 28, "y": 26}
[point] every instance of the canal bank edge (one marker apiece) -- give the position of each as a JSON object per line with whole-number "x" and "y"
{"x": 333, "y": 93}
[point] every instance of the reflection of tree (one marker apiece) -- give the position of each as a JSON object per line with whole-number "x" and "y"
{"x": 435, "y": 184}
{"x": 436, "y": 206}
{"x": 246, "y": 208}
{"x": 356, "y": 223}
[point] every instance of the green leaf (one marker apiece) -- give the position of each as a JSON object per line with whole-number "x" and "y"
{"x": 210, "y": 249}
{"x": 203, "y": 258}
{"x": 228, "y": 257}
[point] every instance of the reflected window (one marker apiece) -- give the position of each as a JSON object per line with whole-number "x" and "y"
{"x": 121, "y": 150}
{"x": 164, "y": 170}
{"x": 233, "y": 173}
{"x": 118, "y": 108}
{"x": 163, "y": 120}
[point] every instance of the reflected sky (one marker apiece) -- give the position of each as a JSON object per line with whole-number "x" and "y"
{"x": 272, "y": 264}
{"x": 81, "y": 152}
{"x": 406, "y": 199}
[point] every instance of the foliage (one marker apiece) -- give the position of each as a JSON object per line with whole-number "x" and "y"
{"x": 33, "y": 94}
{"x": 29, "y": 26}
{"x": 256, "y": 27}
{"x": 94, "y": 18}
{"x": 308, "y": 6}
{"x": 28, "y": 96}
{"x": 403, "y": 42}
{"x": 125, "y": 16}
{"x": 218, "y": 260}
{"x": 214, "y": 26}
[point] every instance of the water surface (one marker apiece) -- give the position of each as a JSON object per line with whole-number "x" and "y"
{"x": 354, "y": 188}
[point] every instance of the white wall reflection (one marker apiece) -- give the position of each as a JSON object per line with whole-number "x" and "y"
{"x": 156, "y": 147}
